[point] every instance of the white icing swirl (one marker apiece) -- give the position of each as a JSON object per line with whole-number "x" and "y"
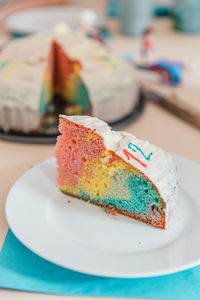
{"x": 159, "y": 168}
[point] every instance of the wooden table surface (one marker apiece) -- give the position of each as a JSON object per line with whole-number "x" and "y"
{"x": 157, "y": 125}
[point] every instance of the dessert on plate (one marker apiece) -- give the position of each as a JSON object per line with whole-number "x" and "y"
{"x": 114, "y": 169}
{"x": 46, "y": 74}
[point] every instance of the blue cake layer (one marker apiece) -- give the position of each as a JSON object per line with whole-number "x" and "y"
{"x": 128, "y": 192}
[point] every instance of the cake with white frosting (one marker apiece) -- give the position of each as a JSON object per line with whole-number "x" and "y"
{"x": 46, "y": 74}
{"x": 115, "y": 170}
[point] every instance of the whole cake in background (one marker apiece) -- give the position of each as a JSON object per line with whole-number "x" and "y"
{"x": 115, "y": 170}
{"x": 46, "y": 74}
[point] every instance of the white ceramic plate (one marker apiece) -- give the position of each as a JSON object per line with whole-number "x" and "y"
{"x": 45, "y": 18}
{"x": 82, "y": 237}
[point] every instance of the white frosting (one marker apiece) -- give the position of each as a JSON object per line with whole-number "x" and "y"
{"x": 108, "y": 78}
{"x": 159, "y": 168}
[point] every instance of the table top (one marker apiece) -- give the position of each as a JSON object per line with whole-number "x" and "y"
{"x": 156, "y": 124}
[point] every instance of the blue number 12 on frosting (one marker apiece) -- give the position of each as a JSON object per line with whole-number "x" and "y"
{"x": 132, "y": 146}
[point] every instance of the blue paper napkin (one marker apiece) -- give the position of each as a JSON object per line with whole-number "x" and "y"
{"x": 22, "y": 269}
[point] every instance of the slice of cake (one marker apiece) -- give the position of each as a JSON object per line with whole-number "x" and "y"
{"x": 115, "y": 170}
{"x": 46, "y": 74}
{"x": 63, "y": 90}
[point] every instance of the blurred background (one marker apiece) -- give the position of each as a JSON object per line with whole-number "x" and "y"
{"x": 160, "y": 39}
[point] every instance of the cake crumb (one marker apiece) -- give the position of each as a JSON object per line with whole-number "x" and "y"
{"x": 110, "y": 211}
{"x": 68, "y": 201}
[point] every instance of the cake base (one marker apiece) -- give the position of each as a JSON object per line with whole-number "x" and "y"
{"x": 159, "y": 222}
{"x": 51, "y": 137}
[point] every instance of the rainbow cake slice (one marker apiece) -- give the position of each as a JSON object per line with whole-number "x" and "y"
{"x": 115, "y": 170}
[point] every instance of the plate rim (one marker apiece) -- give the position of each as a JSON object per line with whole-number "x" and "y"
{"x": 170, "y": 270}
{"x": 9, "y": 26}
